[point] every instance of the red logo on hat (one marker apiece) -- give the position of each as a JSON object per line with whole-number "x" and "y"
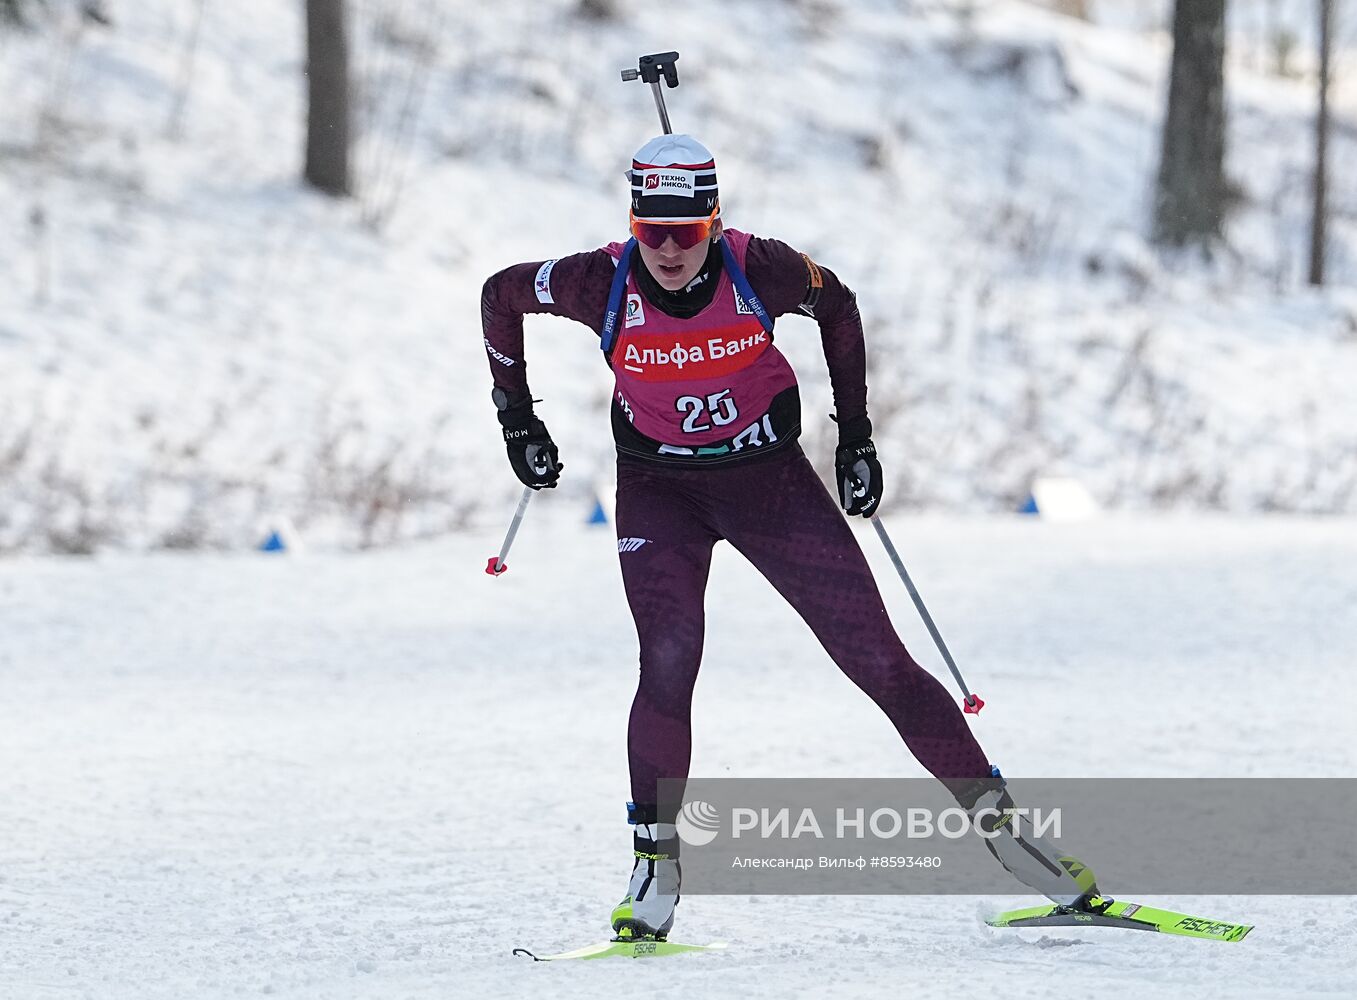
{"x": 652, "y": 182}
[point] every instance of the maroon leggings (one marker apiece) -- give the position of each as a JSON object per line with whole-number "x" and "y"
{"x": 778, "y": 514}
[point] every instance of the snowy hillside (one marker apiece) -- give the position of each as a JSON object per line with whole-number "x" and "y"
{"x": 191, "y": 345}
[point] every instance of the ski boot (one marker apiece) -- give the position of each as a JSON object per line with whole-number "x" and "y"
{"x": 1034, "y": 861}
{"x": 647, "y": 912}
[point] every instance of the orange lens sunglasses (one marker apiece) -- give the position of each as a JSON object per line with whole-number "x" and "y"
{"x": 687, "y": 234}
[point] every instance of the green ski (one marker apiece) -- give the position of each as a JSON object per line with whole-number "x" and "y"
{"x": 1118, "y": 913}
{"x": 624, "y": 949}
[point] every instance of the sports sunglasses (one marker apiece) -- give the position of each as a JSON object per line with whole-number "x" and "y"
{"x": 687, "y": 233}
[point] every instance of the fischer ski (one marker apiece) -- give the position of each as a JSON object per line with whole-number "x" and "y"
{"x": 624, "y": 949}
{"x": 1118, "y": 913}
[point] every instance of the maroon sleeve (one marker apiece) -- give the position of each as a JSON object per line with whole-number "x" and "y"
{"x": 788, "y": 281}
{"x": 575, "y": 287}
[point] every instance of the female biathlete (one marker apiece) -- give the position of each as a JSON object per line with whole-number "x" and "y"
{"x": 706, "y": 415}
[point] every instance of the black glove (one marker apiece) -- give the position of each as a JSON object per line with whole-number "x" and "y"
{"x": 532, "y": 453}
{"x": 856, "y": 469}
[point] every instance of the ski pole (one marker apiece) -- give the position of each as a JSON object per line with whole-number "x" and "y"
{"x": 649, "y": 70}
{"x": 496, "y": 565}
{"x": 972, "y": 703}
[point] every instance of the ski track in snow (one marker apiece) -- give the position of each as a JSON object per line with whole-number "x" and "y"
{"x": 374, "y": 775}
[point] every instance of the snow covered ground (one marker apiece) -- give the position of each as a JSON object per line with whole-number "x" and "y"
{"x": 372, "y": 775}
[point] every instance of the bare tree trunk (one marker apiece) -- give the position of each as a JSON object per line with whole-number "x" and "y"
{"x": 327, "y": 73}
{"x": 1321, "y": 216}
{"x": 1191, "y": 192}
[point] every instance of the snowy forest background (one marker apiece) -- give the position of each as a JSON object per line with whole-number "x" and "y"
{"x": 195, "y": 345}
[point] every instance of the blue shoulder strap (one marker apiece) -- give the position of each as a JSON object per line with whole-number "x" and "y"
{"x": 619, "y": 288}
{"x": 615, "y": 294}
{"x": 744, "y": 288}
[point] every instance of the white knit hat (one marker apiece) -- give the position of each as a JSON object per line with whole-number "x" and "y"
{"x": 673, "y": 177}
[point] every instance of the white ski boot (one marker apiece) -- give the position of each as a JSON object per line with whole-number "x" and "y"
{"x": 647, "y": 912}
{"x": 1034, "y": 861}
